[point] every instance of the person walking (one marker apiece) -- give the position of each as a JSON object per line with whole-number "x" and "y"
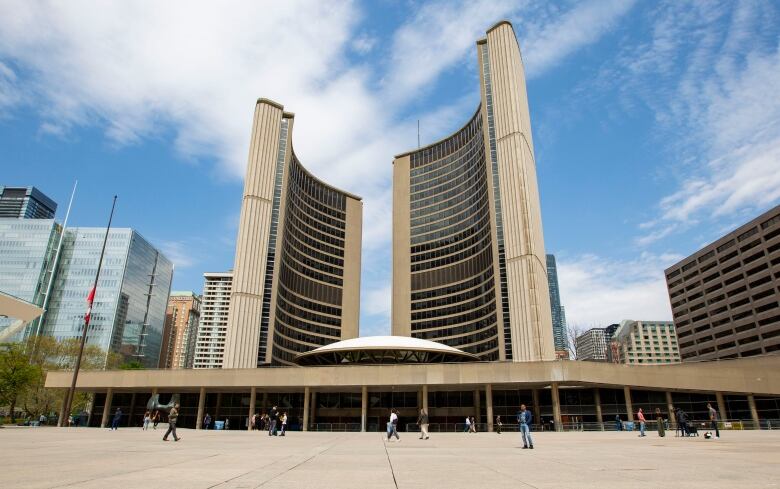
{"x": 284, "y": 424}
{"x": 227, "y": 423}
{"x": 468, "y": 425}
{"x": 499, "y": 424}
{"x": 422, "y": 421}
{"x": 473, "y": 425}
{"x": 206, "y": 421}
{"x": 659, "y": 419}
{"x": 155, "y": 419}
{"x": 173, "y": 415}
{"x": 618, "y": 423}
{"x": 524, "y": 419}
{"x": 713, "y": 419}
{"x": 273, "y": 417}
{"x": 641, "y": 417}
{"x": 117, "y": 418}
{"x": 147, "y": 420}
{"x": 393, "y": 425}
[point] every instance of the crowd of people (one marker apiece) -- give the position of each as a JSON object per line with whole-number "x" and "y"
{"x": 274, "y": 422}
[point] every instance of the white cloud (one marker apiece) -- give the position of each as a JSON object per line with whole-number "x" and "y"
{"x": 712, "y": 81}
{"x": 546, "y": 45}
{"x": 599, "y": 291}
{"x": 145, "y": 70}
{"x": 179, "y": 252}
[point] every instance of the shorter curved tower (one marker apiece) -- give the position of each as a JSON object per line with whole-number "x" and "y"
{"x": 296, "y": 279}
{"x": 469, "y": 267}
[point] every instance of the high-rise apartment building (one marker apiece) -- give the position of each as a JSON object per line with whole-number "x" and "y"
{"x": 27, "y": 249}
{"x": 26, "y": 203}
{"x": 556, "y": 309}
{"x": 726, "y": 297}
{"x": 132, "y": 293}
{"x": 212, "y": 328}
{"x": 296, "y": 278}
{"x": 469, "y": 266}
{"x": 181, "y": 330}
{"x": 646, "y": 342}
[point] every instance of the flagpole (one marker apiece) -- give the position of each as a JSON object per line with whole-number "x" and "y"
{"x": 90, "y": 300}
{"x": 52, "y": 274}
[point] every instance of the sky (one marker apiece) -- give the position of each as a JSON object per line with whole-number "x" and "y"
{"x": 656, "y": 125}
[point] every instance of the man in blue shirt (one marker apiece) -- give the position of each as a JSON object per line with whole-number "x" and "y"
{"x": 524, "y": 418}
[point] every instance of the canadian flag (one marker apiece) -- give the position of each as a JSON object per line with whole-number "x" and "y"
{"x": 90, "y": 300}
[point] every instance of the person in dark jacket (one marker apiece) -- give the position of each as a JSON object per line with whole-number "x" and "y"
{"x": 207, "y": 421}
{"x": 117, "y": 418}
{"x": 273, "y": 417}
{"x": 524, "y": 419}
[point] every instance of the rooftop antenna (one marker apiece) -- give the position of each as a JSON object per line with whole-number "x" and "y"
{"x": 418, "y": 133}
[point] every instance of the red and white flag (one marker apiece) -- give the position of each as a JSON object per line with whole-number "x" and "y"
{"x": 90, "y": 300}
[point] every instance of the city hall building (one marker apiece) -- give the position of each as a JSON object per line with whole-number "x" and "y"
{"x": 471, "y": 313}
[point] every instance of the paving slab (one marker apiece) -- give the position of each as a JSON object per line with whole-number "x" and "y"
{"x": 49, "y": 457}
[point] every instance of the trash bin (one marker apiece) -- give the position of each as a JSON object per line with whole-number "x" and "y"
{"x": 219, "y": 425}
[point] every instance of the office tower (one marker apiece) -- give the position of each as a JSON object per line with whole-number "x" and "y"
{"x": 181, "y": 330}
{"x": 469, "y": 265}
{"x": 646, "y": 342}
{"x": 212, "y": 328}
{"x": 296, "y": 279}
{"x": 556, "y": 309}
{"x": 726, "y": 298}
{"x": 26, "y": 203}
{"x": 132, "y": 293}
{"x": 27, "y": 249}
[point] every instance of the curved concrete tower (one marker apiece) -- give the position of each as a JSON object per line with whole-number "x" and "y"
{"x": 296, "y": 279}
{"x": 469, "y": 267}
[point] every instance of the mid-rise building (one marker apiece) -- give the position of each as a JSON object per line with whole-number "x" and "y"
{"x": 25, "y": 203}
{"x": 592, "y": 345}
{"x": 181, "y": 330}
{"x": 557, "y": 310}
{"x": 212, "y": 328}
{"x": 646, "y": 342}
{"x": 296, "y": 278}
{"x": 132, "y": 293}
{"x": 469, "y": 266}
{"x": 726, "y": 297}
{"x": 27, "y": 249}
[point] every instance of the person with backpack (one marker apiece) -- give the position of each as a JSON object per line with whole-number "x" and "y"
{"x": 499, "y": 424}
{"x": 524, "y": 419}
{"x": 207, "y": 421}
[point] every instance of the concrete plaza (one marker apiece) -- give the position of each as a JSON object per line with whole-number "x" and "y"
{"x": 132, "y": 458}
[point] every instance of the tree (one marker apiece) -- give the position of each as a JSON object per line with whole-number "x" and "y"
{"x": 132, "y": 365}
{"x": 572, "y": 332}
{"x": 16, "y": 375}
{"x": 51, "y": 355}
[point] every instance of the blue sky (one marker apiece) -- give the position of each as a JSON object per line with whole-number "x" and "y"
{"x": 656, "y": 124}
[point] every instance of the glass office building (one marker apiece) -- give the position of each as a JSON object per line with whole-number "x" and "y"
{"x": 27, "y": 249}
{"x": 26, "y": 203}
{"x": 132, "y": 294}
{"x": 558, "y": 314}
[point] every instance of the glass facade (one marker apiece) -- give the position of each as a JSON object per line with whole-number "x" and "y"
{"x": 27, "y": 249}
{"x": 452, "y": 280}
{"x": 558, "y": 316}
{"x": 132, "y": 293}
{"x": 26, "y": 203}
{"x": 311, "y": 267}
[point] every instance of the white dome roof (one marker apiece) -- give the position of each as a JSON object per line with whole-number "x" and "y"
{"x": 387, "y": 343}
{"x": 377, "y": 350}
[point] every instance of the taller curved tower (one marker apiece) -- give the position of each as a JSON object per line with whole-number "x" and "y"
{"x": 469, "y": 266}
{"x": 296, "y": 279}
